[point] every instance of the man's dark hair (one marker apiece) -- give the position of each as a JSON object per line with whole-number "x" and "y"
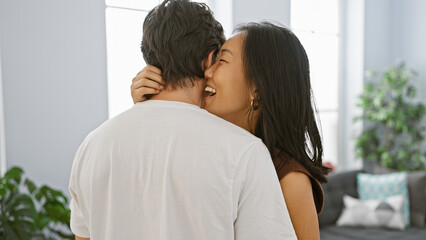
{"x": 177, "y": 36}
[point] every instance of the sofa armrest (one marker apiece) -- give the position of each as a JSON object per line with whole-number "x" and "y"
{"x": 338, "y": 185}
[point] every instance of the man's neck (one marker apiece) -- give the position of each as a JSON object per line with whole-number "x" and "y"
{"x": 191, "y": 95}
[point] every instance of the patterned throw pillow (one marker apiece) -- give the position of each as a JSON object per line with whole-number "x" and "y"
{"x": 378, "y": 187}
{"x": 373, "y": 213}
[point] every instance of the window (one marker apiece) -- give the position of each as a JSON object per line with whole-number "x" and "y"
{"x": 124, "y": 20}
{"x": 316, "y": 23}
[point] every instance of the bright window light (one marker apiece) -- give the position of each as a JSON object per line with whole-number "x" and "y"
{"x": 124, "y": 57}
{"x": 316, "y": 23}
{"x": 323, "y": 53}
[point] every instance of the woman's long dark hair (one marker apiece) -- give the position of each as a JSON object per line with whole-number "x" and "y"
{"x": 276, "y": 63}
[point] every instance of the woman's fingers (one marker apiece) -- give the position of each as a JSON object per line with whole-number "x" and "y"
{"x": 149, "y": 75}
{"x": 153, "y": 69}
{"x": 140, "y": 94}
{"x": 146, "y": 91}
{"x": 144, "y": 82}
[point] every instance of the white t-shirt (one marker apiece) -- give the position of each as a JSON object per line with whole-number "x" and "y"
{"x": 170, "y": 170}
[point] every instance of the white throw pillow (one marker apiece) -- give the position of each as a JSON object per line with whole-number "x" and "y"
{"x": 386, "y": 213}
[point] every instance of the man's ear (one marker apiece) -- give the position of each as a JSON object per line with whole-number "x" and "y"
{"x": 208, "y": 61}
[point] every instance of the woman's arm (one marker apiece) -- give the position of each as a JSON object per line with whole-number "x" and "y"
{"x": 297, "y": 190}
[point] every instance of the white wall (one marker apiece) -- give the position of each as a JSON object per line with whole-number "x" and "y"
{"x": 2, "y": 128}
{"x": 54, "y": 82}
{"x": 394, "y": 31}
{"x": 411, "y": 33}
{"x": 378, "y": 41}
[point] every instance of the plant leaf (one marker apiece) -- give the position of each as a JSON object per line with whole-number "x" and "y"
{"x": 30, "y": 185}
{"x": 15, "y": 174}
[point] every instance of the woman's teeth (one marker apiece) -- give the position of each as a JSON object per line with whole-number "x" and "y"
{"x": 212, "y": 91}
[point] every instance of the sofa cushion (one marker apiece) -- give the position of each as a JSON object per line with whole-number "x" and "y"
{"x": 355, "y": 233}
{"x": 417, "y": 192}
{"x": 376, "y": 187}
{"x": 373, "y": 213}
{"x": 339, "y": 184}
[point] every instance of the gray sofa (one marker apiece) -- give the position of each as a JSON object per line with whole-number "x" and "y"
{"x": 345, "y": 183}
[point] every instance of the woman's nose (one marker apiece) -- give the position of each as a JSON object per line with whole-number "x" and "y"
{"x": 209, "y": 72}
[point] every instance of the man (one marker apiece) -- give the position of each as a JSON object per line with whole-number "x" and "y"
{"x": 166, "y": 169}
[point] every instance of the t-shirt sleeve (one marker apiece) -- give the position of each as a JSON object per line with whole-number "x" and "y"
{"x": 78, "y": 223}
{"x": 261, "y": 212}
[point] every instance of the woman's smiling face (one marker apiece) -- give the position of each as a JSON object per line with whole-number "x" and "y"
{"x": 227, "y": 94}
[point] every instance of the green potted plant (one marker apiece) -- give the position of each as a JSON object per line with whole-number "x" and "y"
{"x": 29, "y": 212}
{"x": 393, "y": 130}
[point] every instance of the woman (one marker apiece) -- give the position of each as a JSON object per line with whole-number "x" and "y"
{"x": 261, "y": 83}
